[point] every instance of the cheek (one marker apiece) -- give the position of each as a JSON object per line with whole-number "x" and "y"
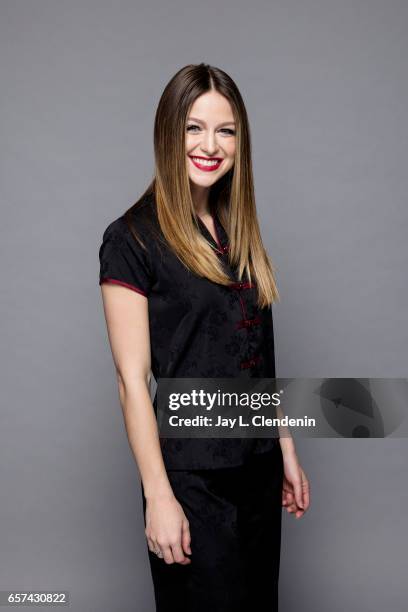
{"x": 230, "y": 150}
{"x": 189, "y": 143}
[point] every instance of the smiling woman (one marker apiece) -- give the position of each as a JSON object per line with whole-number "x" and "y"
{"x": 200, "y": 305}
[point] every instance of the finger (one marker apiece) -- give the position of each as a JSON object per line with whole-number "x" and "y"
{"x": 288, "y": 499}
{"x": 297, "y": 486}
{"x": 287, "y": 488}
{"x": 186, "y": 538}
{"x": 178, "y": 555}
{"x": 150, "y": 545}
{"x": 167, "y": 554}
{"x": 306, "y": 495}
{"x": 153, "y": 546}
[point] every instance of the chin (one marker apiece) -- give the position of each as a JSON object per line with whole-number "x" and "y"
{"x": 204, "y": 182}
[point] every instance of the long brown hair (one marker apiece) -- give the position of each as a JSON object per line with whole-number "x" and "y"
{"x": 232, "y": 197}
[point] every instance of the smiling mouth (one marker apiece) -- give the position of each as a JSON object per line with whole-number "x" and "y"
{"x": 206, "y": 164}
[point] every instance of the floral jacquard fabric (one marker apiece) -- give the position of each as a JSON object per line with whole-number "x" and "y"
{"x": 198, "y": 329}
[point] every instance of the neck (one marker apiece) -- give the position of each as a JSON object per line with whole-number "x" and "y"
{"x": 200, "y": 196}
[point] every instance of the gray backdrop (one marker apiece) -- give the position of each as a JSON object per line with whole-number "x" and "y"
{"x": 325, "y": 83}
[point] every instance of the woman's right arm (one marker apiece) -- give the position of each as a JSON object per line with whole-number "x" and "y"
{"x": 127, "y": 319}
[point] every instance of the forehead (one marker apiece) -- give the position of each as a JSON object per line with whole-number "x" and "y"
{"x": 212, "y": 106}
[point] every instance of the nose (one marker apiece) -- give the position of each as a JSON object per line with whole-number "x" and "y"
{"x": 209, "y": 143}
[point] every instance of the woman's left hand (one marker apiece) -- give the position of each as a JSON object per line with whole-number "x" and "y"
{"x": 296, "y": 488}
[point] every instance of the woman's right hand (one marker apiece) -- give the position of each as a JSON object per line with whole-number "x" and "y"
{"x": 167, "y": 529}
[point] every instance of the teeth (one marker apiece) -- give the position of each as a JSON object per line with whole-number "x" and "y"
{"x": 205, "y": 162}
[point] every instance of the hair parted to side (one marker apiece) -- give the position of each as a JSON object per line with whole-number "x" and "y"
{"x": 232, "y": 197}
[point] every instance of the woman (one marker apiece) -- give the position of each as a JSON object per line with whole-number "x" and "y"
{"x": 187, "y": 290}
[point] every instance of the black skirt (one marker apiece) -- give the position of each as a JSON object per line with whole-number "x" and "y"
{"x": 235, "y": 517}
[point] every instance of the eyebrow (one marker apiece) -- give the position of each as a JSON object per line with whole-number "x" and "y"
{"x": 203, "y": 122}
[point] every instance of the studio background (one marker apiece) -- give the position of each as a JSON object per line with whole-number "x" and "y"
{"x": 325, "y": 84}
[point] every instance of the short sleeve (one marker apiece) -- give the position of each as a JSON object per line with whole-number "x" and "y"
{"x": 123, "y": 260}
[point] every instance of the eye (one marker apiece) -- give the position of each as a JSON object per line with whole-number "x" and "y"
{"x": 192, "y": 128}
{"x": 228, "y": 131}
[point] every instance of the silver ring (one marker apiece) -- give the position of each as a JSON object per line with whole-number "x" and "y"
{"x": 159, "y": 554}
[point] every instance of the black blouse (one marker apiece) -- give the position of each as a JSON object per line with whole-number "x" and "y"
{"x": 198, "y": 329}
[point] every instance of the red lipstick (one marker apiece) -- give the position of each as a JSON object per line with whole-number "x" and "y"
{"x": 206, "y": 167}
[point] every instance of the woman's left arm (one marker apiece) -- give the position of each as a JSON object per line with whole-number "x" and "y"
{"x": 296, "y": 486}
